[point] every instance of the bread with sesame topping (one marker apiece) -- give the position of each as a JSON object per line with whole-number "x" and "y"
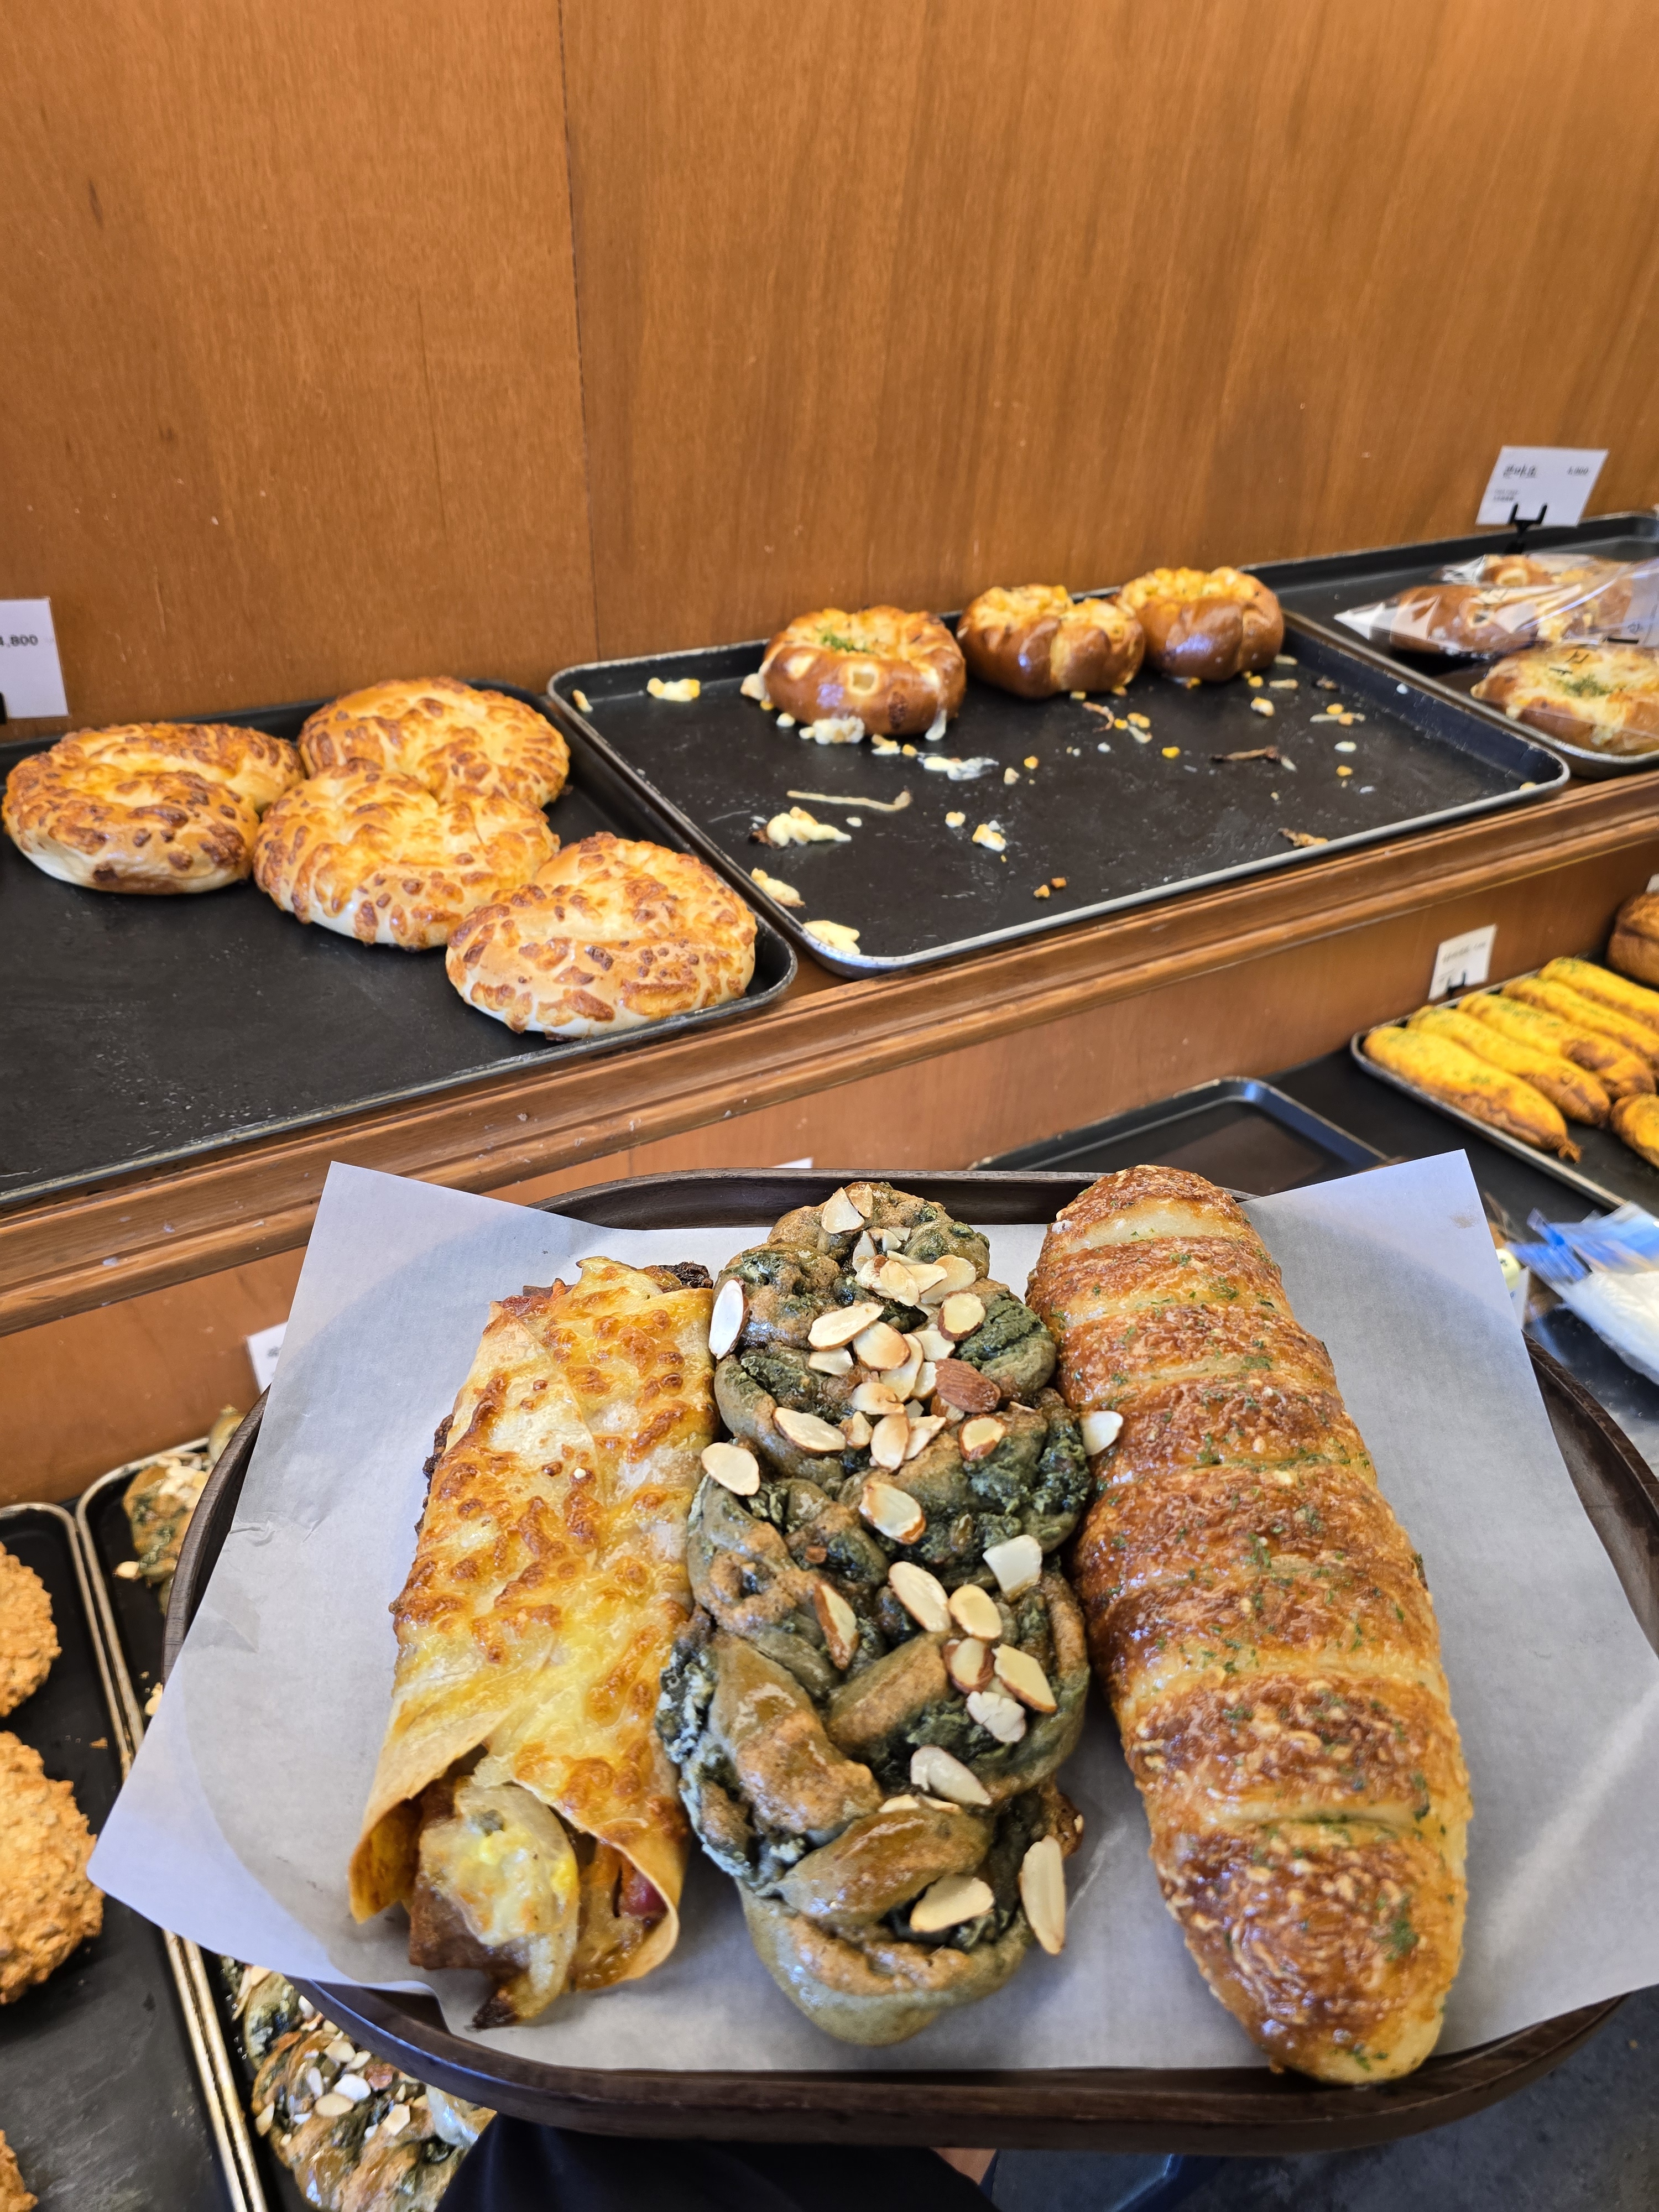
{"x": 1263, "y": 1630}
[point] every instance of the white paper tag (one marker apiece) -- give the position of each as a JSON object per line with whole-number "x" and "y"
{"x": 1461, "y": 962}
{"x": 263, "y": 1347}
{"x": 31, "y": 680}
{"x": 1541, "y": 483}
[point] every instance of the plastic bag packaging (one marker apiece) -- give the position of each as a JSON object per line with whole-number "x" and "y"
{"x": 1606, "y": 1271}
{"x": 1501, "y": 603}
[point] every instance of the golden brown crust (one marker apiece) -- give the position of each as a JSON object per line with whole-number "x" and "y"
{"x": 1035, "y": 640}
{"x": 1572, "y": 1090}
{"x": 608, "y": 936}
{"x": 1627, "y": 1030}
{"x": 1619, "y": 1072}
{"x": 895, "y": 673}
{"x": 374, "y": 855}
{"x": 28, "y": 1637}
{"x": 14, "y": 2197}
{"x": 1633, "y": 947}
{"x": 1259, "y": 1622}
{"x": 1603, "y": 697}
{"x": 1637, "y": 1121}
{"x": 460, "y": 741}
{"x": 47, "y": 1906}
{"x": 156, "y": 807}
{"x": 1212, "y": 623}
{"x": 1446, "y": 1070}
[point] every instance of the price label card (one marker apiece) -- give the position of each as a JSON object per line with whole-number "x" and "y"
{"x": 1541, "y": 483}
{"x": 31, "y": 681}
{"x": 1463, "y": 964}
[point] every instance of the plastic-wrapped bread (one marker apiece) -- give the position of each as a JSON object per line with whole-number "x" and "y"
{"x": 1261, "y": 1623}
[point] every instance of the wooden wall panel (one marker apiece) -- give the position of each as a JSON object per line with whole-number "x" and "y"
{"x": 291, "y": 396}
{"x": 897, "y": 298}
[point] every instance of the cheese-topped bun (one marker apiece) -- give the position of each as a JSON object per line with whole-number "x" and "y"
{"x": 897, "y": 673}
{"x": 611, "y": 935}
{"x": 150, "y": 807}
{"x": 460, "y": 742}
{"x": 1209, "y": 623}
{"x": 1035, "y": 640}
{"x": 377, "y": 856}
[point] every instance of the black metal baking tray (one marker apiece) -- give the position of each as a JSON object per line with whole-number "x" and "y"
{"x": 1122, "y": 827}
{"x": 103, "y": 2093}
{"x": 155, "y": 1029}
{"x": 1608, "y": 1172}
{"x": 1238, "y": 1131}
{"x": 1313, "y": 593}
{"x": 1232, "y": 2110}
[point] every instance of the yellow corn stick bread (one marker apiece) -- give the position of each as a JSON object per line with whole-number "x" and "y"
{"x": 1447, "y": 1072}
{"x": 1586, "y": 1014}
{"x": 1621, "y": 1074}
{"x": 1592, "y": 981}
{"x": 1576, "y": 1092}
{"x": 1637, "y": 1121}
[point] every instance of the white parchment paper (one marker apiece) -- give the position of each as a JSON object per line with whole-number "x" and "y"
{"x": 243, "y": 1806}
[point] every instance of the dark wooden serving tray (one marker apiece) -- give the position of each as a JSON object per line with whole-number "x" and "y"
{"x": 1227, "y": 2111}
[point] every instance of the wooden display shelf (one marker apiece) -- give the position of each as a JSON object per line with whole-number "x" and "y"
{"x": 249, "y": 1201}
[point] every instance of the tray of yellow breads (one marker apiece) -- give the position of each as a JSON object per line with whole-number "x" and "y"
{"x": 1559, "y": 1067}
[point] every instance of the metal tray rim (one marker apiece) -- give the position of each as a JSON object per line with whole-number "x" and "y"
{"x": 1216, "y": 1091}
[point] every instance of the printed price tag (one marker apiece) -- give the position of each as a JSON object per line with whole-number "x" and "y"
{"x": 31, "y": 681}
{"x": 1463, "y": 962}
{"x": 1541, "y": 483}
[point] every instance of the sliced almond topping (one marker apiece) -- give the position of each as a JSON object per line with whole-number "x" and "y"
{"x": 996, "y": 1714}
{"x": 808, "y": 1432}
{"x": 838, "y": 1621}
{"x": 981, "y": 1435}
{"x": 864, "y": 1249}
{"x": 875, "y": 1399}
{"x": 922, "y": 1433}
{"x": 880, "y": 1346}
{"x": 937, "y": 1773}
{"x": 726, "y": 1322}
{"x": 903, "y": 1379}
{"x": 831, "y": 1362}
{"x": 893, "y": 1512}
{"x": 896, "y": 1281}
{"x": 1022, "y": 1678}
{"x": 961, "y": 1314}
{"x": 733, "y": 1466}
{"x": 1043, "y": 1893}
{"x": 332, "y": 2106}
{"x": 856, "y": 1431}
{"x": 927, "y": 1380}
{"x": 396, "y": 2120}
{"x": 841, "y": 1325}
{"x": 899, "y": 1804}
{"x": 975, "y": 1612}
{"x": 927, "y": 1273}
{"x": 959, "y": 1275}
{"x": 860, "y": 1193}
{"x": 838, "y": 1215}
{"x": 1100, "y": 1432}
{"x": 887, "y": 1443}
{"x": 962, "y": 1384}
{"x": 921, "y": 1594}
{"x": 1016, "y": 1565}
{"x": 953, "y": 1899}
{"x": 935, "y": 1345}
{"x": 968, "y": 1662}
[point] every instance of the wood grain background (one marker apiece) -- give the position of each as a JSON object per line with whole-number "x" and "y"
{"x": 483, "y": 335}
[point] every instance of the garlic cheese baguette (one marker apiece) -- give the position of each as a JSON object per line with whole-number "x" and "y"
{"x": 1572, "y": 1090}
{"x": 1260, "y": 1625}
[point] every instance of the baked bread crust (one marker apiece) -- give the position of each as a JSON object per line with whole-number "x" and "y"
{"x": 895, "y": 673}
{"x": 47, "y": 1906}
{"x": 1633, "y": 947}
{"x": 156, "y": 807}
{"x": 28, "y": 1635}
{"x": 1035, "y": 640}
{"x": 459, "y": 741}
{"x": 1214, "y": 623}
{"x": 375, "y": 855}
{"x": 1603, "y": 697}
{"x": 608, "y": 936}
{"x": 1259, "y": 1621}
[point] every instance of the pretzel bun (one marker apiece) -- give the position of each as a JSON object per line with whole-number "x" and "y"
{"x": 459, "y": 741}
{"x": 375, "y": 855}
{"x": 1209, "y": 623}
{"x": 895, "y": 673}
{"x": 150, "y": 806}
{"x": 1035, "y": 640}
{"x": 1633, "y": 947}
{"x": 610, "y": 935}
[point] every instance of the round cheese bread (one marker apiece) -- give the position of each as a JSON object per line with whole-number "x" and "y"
{"x": 148, "y": 807}
{"x": 896, "y": 673}
{"x": 375, "y": 855}
{"x": 1214, "y": 623}
{"x": 460, "y": 742}
{"x": 1035, "y": 640}
{"x": 611, "y": 935}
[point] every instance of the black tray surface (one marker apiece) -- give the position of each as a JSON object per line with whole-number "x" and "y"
{"x": 1238, "y": 1131}
{"x": 1121, "y": 825}
{"x": 1222, "y": 2110}
{"x": 1316, "y": 591}
{"x": 99, "y": 2095}
{"x": 152, "y": 1029}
